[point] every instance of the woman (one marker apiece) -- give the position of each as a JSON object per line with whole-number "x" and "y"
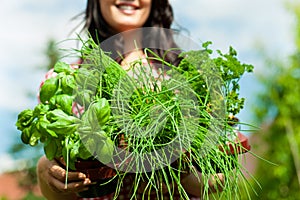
{"x": 103, "y": 19}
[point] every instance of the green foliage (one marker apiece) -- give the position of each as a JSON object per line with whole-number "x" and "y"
{"x": 281, "y": 100}
{"x": 225, "y": 68}
{"x": 52, "y": 53}
{"x": 52, "y": 122}
{"x": 185, "y": 116}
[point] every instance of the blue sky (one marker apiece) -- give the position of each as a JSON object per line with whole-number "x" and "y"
{"x": 27, "y": 25}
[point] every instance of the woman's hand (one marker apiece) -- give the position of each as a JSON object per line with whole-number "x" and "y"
{"x": 51, "y": 178}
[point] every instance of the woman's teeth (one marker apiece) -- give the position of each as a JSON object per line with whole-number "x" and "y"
{"x": 126, "y": 7}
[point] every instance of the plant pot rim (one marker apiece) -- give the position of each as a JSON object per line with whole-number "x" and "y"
{"x": 241, "y": 145}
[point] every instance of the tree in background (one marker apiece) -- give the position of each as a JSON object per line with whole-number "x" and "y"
{"x": 52, "y": 53}
{"x": 279, "y": 107}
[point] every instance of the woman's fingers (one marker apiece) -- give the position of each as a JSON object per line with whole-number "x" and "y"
{"x": 70, "y": 187}
{"x": 60, "y": 174}
{"x": 76, "y": 181}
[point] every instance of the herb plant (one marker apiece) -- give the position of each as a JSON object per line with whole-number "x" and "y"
{"x": 161, "y": 127}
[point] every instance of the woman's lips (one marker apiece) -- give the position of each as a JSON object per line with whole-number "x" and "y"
{"x": 127, "y": 8}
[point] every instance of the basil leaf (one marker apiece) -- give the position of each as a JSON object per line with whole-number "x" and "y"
{"x": 50, "y": 149}
{"x": 68, "y": 84}
{"x": 41, "y": 126}
{"x": 25, "y": 135}
{"x": 64, "y": 102}
{"x": 63, "y": 67}
{"x": 48, "y": 89}
{"x": 25, "y": 119}
{"x": 105, "y": 150}
{"x": 34, "y": 138}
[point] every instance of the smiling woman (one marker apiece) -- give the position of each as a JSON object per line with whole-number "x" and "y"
{"x": 96, "y": 22}
{"x": 103, "y": 19}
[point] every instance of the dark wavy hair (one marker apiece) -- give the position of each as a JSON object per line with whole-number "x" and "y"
{"x": 161, "y": 15}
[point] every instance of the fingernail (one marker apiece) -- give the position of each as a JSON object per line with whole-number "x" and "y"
{"x": 87, "y": 181}
{"x": 82, "y": 175}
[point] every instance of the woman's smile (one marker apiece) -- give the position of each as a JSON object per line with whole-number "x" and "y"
{"x": 125, "y": 15}
{"x": 127, "y": 8}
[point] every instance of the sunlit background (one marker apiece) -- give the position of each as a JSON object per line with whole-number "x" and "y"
{"x": 27, "y": 26}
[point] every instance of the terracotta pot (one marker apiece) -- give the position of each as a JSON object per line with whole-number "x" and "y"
{"x": 241, "y": 145}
